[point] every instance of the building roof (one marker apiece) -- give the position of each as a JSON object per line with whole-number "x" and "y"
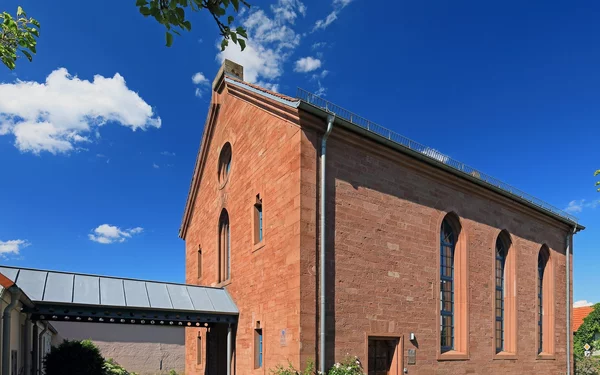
{"x": 319, "y": 106}
{"x": 52, "y": 287}
{"x": 580, "y": 313}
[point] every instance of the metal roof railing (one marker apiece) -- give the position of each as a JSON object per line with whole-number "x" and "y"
{"x": 431, "y": 153}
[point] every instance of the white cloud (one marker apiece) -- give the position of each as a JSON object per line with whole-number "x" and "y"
{"x": 107, "y": 234}
{"x": 577, "y": 205}
{"x": 271, "y": 41}
{"x": 582, "y": 303}
{"x": 12, "y": 246}
{"x": 321, "y": 91}
{"x": 307, "y": 64}
{"x": 155, "y": 166}
{"x": 288, "y": 10}
{"x": 321, "y": 75}
{"x": 338, "y": 5}
{"x": 60, "y": 113}
{"x": 318, "y": 45}
{"x": 167, "y": 153}
{"x": 199, "y": 79}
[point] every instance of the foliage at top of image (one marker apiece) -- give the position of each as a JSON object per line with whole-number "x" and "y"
{"x": 172, "y": 14}
{"x": 349, "y": 366}
{"x": 17, "y": 37}
{"x": 74, "y": 358}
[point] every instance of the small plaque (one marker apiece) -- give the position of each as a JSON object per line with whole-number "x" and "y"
{"x": 283, "y": 338}
{"x": 412, "y": 356}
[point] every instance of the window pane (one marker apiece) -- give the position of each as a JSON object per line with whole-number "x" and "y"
{"x": 447, "y": 247}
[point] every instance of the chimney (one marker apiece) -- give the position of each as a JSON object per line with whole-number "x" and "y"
{"x": 228, "y": 68}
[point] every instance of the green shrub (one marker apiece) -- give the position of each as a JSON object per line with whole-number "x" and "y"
{"x": 587, "y": 366}
{"x": 349, "y": 366}
{"x": 290, "y": 370}
{"x": 74, "y": 358}
{"x": 113, "y": 368}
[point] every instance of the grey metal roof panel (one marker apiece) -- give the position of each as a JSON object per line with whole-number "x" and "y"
{"x": 86, "y": 290}
{"x": 112, "y": 292}
{"x": 180, "y": 299}
{"x": 11, "y": 273}
{"x": 135, "y": 293}
{"x": 80, "y": 289}
{"x": 32, "y": 283}
{"x": 59, "y": 287}
{"x": 200, "y": 299}
{"x": 221, "y": 301}
{"x": 159, "y": 296}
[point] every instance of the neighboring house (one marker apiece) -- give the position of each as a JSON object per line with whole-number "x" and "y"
{"x": 430, "y": 266}
{"x": 143, "y": 350}
{"x": 25, "y": 336}
{"x": 580, "y": 313}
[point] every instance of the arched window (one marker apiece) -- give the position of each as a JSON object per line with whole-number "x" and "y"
{"x": 453, "y": 288}
{"x": 224, "y": 164}
{"x": 505, "y": 296}
{"x": 545, "y": 299}
{"x": 447, "y": 247}
{"x": 501, "y": 251}
{"x": 224, "y": 247}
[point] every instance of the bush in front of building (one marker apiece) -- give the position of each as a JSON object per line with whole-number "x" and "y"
{"x": 588, "y": 333}
{"x": 349, "y": 366}
{"x": 113, "y": 368}
{"x": 74, "y": 358}
{"x": 587, "y": 366}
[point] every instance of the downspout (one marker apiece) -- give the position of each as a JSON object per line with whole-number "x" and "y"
{"x": 229, "y": 349}
{"x": 15, "y": 295}
{"x": 568, "y": 299}
{"x": 40, "y": 346}
{"x": 330, "y": 120}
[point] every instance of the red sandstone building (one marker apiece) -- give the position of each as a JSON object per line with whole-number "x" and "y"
{"x": 431, "y": 266}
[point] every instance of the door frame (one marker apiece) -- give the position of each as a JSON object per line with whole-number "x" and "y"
{"x": 397, "y": 366}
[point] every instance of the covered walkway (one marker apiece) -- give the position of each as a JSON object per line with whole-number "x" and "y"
{"x": 74, "y": 297}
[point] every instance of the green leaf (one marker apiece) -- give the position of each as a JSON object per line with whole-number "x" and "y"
{"x": 169, "y": 39}
{"x": 27, "y": 54}
{"x": 187, "y": 25}
{"x": 597, "y": 172}
{"x": 145, "y": 11}
{"x": 35, "y": 23}
{"x": 180, "y": 13}
{"x": 242, "y": 44}
{"x": 233, "y": 36}
{"x": 229, "y": 20}
{"x": 20, "y": 11}
{"x": 35, "y": 32}
{"x": 173, "y": 5}
{"x": 140, "y": 3}
{"x": 241, "y": 32}
{"x": 236, "y": 5}
{"x": 224, "y": 44}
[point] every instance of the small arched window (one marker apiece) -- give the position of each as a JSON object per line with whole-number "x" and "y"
{"x": 453, "y": 288}
{"x": 505, "y": 307}
{"x": 447, "y": 247}
{"x": 501, "y": 251}
{"x": 545, "y": 299}
{"x": 224, "y": 247}
{"x": 224, "y": 163}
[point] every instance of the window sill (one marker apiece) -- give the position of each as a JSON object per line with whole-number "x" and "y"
{"x": 545, "y": 356}
{"x": 258, "y": 246}
{"x": 453, "y": 356}
{"x": 223, "y": 284}
{"x": 505, "y": 356}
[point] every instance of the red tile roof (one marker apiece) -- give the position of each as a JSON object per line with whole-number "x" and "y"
{"x": 580, "y": 313}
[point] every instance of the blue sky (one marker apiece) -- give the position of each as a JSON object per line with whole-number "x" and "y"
{"x": 96, "y": 170}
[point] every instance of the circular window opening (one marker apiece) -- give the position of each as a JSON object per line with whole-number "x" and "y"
{"x": 224, "y": 163}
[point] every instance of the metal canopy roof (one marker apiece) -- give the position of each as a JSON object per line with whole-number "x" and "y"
{"x": 85, "y": 295}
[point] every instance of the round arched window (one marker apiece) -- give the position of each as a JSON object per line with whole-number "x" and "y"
{"x": 224, "y": 163}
